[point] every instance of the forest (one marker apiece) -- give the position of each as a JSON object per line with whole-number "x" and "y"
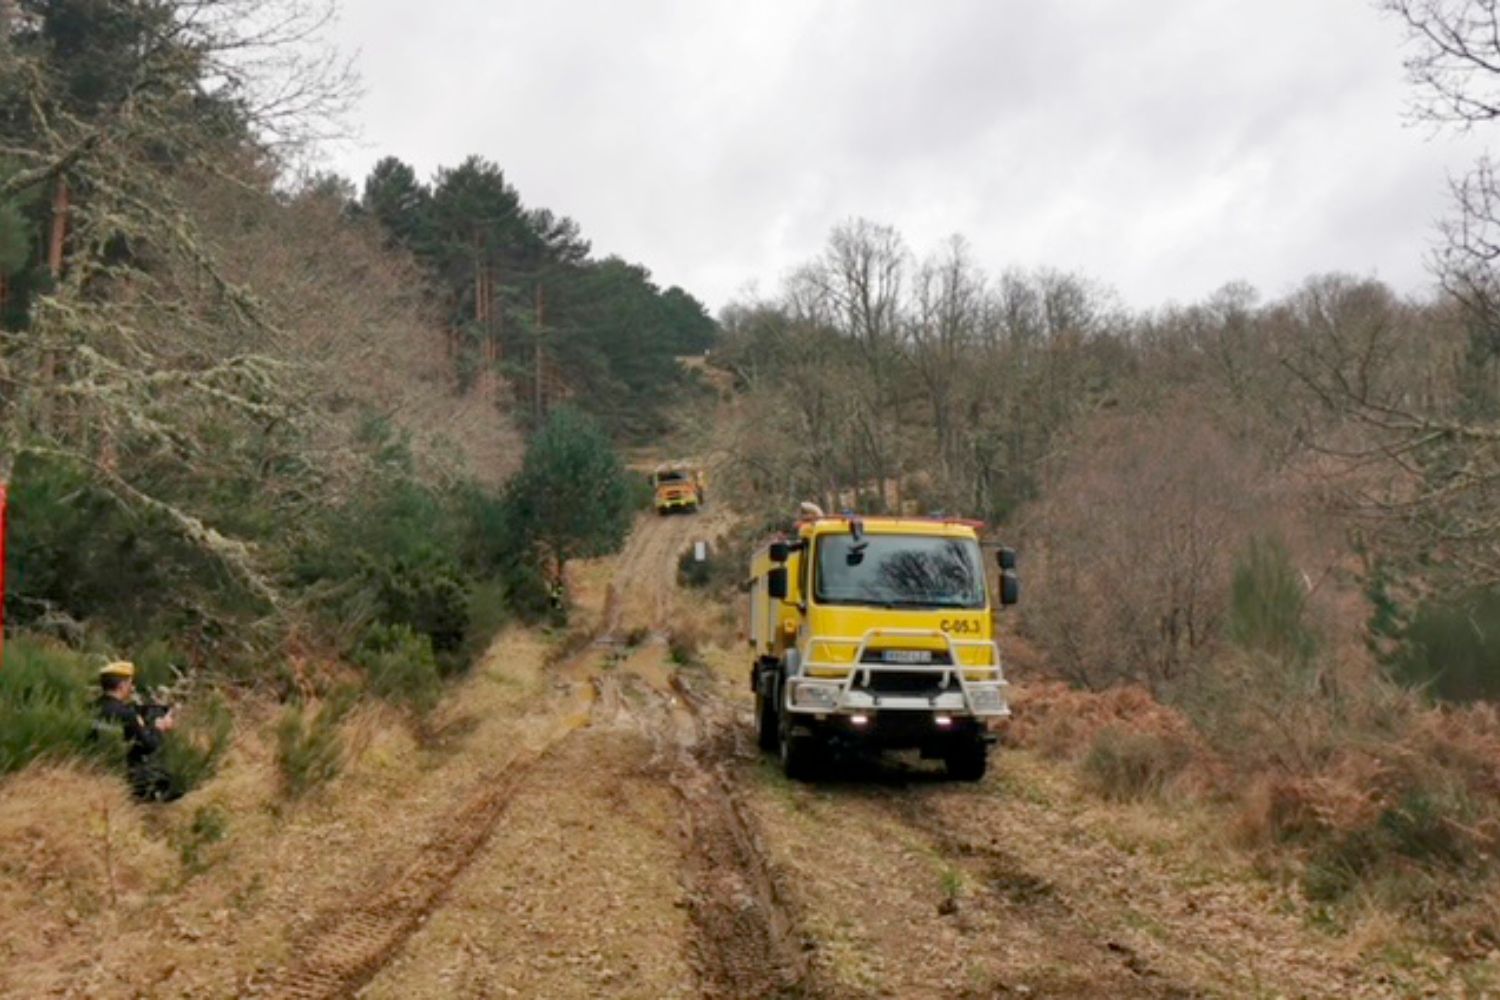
{"x": 247, "y": 407}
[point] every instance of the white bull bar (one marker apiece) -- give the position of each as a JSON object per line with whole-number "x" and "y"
{"x": 851, "y": 695}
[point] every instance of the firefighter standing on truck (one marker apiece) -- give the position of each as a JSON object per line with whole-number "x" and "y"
{"x": 144, "y": 728}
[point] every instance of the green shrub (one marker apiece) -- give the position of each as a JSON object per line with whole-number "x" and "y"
{"x": 430, "y": 596}
{"x": 46, "y": 705}
{"x": 77, "y": 555}
{"x": 488, "y": 614}
{"x": 1125, "y": 764}
{"x": 209, "y": 826}
{"x": 1268, "y": 603}
{"x": 404, "y": 551}
{"x": 309, "y": 747}
{"x": 157, "y": 664}
{"x": 693, "y": 572}
{"x": 1425, "y": 829}
{"x": 1451, "y": 648}
{"x": 525, "y": 585}
{"x": 400, "y": 666}
{"x": 193, "y": 749}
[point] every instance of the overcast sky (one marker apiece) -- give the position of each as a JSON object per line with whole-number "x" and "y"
{"x": 1162, "y": 148}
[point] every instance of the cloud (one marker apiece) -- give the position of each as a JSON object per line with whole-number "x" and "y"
{"x": 1163, "y": 149}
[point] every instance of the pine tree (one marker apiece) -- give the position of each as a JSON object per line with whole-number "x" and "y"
{"x": 572, "y": 495}
{"x": 400, "y": 203}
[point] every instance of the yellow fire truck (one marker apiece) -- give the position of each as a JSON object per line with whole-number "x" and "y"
{"x": 877, "y": 633}
{"x": 677, "y": 486}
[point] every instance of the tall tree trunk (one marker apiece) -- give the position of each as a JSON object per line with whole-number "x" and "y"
{"x": 537, "y": 389}
{"x": 59, "y": 227}
{"x": 58, "y": 237}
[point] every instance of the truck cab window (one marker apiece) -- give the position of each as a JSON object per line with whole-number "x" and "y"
{"x": 899, "y": 571}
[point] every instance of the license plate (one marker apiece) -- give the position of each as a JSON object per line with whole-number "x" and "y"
{"x": 906, "y": 656}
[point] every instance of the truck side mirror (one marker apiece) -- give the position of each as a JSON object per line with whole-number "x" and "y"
{"x": 1010, "y": 588}
{"x": 776, "y": 583}
{"x": 1006, "y": 558}
{"x": 780, "y": 551}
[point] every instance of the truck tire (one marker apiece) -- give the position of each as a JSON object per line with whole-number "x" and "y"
{"x": 967, "y": 761}
{"x": 800, "y": 753}
{"x": 767, "y": 724}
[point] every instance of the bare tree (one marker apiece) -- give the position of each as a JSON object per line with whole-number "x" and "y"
{"x": 943, "y": 333}
{"x": 1131, "y": 552}
{"x": 858, "y": 284}
{"x": 1455, "y": 60}
{"x": 1421, "y": 442}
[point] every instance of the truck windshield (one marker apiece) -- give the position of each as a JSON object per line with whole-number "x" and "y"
{"x": 670, "y": 477}
{"x": 916, "y": 571}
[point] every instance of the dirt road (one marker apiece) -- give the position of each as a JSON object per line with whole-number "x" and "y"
{"x": 591, "y": 819}
{"x": 648, "y": 851}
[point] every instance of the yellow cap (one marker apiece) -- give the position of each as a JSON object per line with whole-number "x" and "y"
{"x": 119, "y": 668}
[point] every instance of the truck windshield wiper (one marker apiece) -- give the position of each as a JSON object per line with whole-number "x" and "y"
{"x": 896, "y": 602}
{"x": 904, "y": 602}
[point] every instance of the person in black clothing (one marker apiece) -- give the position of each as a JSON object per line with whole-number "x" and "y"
{"x": 144, "y": 728}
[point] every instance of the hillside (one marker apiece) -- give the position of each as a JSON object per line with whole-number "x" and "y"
{"x": 587, "y": 816}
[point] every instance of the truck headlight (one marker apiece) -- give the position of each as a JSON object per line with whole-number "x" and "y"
{"x": 986, "y": 699}
{"x": 818, "y": 696}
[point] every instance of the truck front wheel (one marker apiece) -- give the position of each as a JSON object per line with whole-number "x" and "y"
{"x": 968, "y": 760}
{"x": 800, "y": 752}
{"x": 767, "y": 723}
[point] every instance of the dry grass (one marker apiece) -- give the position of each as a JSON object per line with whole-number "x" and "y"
{"x": 199, "y": 921}
{"x": 1385, "y": 810}
{"x": 77, "y": 843}
{"x": 1063, "y": 722}
{"x": 1126, "y": 764}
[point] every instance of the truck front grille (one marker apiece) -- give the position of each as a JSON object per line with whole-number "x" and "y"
{"x": 906, "y": 682}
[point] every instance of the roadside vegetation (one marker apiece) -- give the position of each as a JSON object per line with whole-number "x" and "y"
{"x": 1259, "y": 537}
{"x": 257, "y": 428}
{"x": 1243, "y": 584}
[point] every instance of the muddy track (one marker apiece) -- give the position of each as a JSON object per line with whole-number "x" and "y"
{"x": 343, "y": 950}
{"x": 747, "y": 944}
{"x": 749, "y": 941}
{"x": 1009, "y": 888}
{"x": 647, "y": 568}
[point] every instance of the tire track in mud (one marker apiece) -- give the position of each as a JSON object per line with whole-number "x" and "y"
{"x": 647, "y": 570}
{"x": 345, "y": 949}
{"x": 1008, "y": 887}
{"x": 747, "y": 944}
{"x": 647, "y": 567}
{"x": 749, "y": 941}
